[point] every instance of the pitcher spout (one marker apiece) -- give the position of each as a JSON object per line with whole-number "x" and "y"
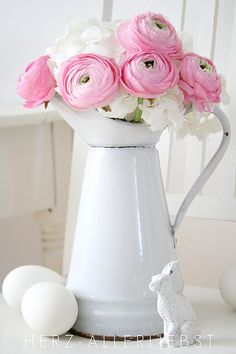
{"x": 97, "y": 130}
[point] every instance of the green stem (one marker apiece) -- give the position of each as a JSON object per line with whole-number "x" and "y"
{"x": 138, "y": 111}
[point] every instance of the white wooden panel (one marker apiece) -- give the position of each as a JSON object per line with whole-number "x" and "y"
{"x": 201, "y": 27}
{"x": 225, "y": 57}
{"x": 183, "y": 168}
{"x": 26, "y": 170}
{"x": 209, "y": 148}
{"x": 171, "y": 10}
{"x": 215, "y": 40}
{"x": 199, "y": 22}
{"x": 193, "y": 161}
{"x": 176, "y": 164}
{"x": 219, "y": 49}
{"x": 187, "y": 155}
{"x": 224, "y": 38}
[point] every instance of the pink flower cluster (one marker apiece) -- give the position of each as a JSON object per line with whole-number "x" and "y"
{"x": 153, "y": 62}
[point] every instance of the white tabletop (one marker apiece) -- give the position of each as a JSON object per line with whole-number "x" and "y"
{"x": 216, "y": 320}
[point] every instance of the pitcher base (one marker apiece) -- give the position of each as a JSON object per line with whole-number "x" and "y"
{"x": 116, "y": 338}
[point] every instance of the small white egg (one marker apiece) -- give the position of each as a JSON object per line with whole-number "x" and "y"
{"x": 21, "y": 279}
{"x": 227, "y": 286}
{"x": 49, "y": 308}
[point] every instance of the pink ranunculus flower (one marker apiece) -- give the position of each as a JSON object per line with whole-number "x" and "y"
{"x": 199, "y": 82}
{"x": 150, "y": 31}
{"x": 36, "y": 85}
{"x": 88, "y": 81}
{"x": 148, "y": 74}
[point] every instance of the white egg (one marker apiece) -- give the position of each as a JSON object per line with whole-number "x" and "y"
{"x": 21, "y": 279}
{"x": 49, "y": 308}
{"x": 227, "y": 286}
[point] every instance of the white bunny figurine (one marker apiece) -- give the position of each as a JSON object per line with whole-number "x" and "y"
{"x": 180, "y": 325}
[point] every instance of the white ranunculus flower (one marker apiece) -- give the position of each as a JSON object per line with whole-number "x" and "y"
{"x": 120, "y": 107}
{"x": 163, "y": 111}
{"x": 198, "y": 124}
{"x": 85, "y": 37}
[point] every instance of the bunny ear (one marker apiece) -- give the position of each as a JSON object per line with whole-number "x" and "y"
{"x": 170, "y": 268}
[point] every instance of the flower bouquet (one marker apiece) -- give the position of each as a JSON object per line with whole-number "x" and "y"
{"x": 137, "y": 70}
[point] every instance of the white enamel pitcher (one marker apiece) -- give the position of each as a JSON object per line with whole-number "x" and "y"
{"x": 123, "y": 234}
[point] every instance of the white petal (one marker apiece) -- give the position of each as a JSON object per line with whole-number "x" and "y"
{"x": 155, "y": 118}
{"x": 121, "y": 106}
{"x": 86, "y": 37}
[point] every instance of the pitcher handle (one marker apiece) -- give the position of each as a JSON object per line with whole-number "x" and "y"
{"x": 207, "y": 171}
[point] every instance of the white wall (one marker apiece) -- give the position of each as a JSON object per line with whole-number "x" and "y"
{"x": 27, "y": 28}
